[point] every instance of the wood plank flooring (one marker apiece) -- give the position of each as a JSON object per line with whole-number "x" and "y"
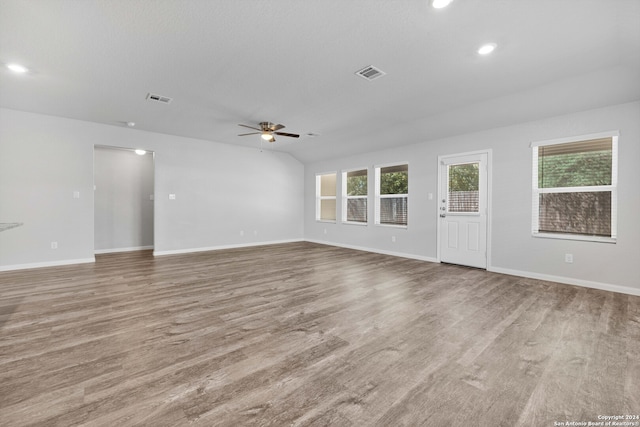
{"x": 303, "y": 334}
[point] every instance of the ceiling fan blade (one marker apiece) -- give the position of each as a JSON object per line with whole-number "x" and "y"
{"x": 276, "y": 127}
{"x": 250, "y": 127}
{"x": 292, "y": 135}
{"x": 252, "y": 133}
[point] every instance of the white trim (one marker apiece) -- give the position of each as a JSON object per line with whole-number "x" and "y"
{"x": 612, "y": 188}
{"x": 47, "y": 264}
{"x": 319, "y": 197}
{"x": 131, "y": 249}
{"x": 364, "y": 168}
{"x": 221, "y": 247}
{"x": 384, "y": 224}
{"x": 346, "y": 198}
{"x": 584, "y": 189}
{"x": 373, "y": 250}
{"x": 360, "y": 223}
{"x": 386, "y": 165}
{"x": 576, "y": 138}
{"x": 580, "y": 237}
{"x": 568, "y": 281}
{"x": 377, "y": 169}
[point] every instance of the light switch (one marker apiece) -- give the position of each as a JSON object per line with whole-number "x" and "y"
{"x": 76, "y": 194}
{"x": 172, "y": 196}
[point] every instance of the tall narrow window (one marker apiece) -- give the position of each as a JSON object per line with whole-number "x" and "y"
{"x": 326, "y": 197}
{"x": 392, "y": 195}
{"x": 575, "y": 188}
{"x": 354, "y": 196}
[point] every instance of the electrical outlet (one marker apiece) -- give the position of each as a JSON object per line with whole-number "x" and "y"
{"x": 393, "y": 239}
{"x": 568, "y": 258}
{"x": 172, "y": 196}
{"x": 54, "y": 245}
{"x": 241, "y": 232}
{"x": 255, "y": 232}
{"x": 324, "y": 231}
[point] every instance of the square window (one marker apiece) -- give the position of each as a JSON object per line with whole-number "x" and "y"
{"x": 575, "y": 188}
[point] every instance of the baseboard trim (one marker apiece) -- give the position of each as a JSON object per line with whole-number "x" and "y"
{"x": 221, "y": 247}
{"x": 46, "y": 264}
{"x": 377, "y": 251}
{"x": 568, "y": 281}
{"x": 131, "y": 249}
{"x": 547, "y": 277}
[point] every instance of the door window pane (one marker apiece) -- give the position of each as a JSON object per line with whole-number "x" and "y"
{"x": 464, "y": 182}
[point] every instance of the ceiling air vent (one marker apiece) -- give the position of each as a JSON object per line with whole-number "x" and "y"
{"x": 159, "y": 98}
{"x": 370, "y": 73}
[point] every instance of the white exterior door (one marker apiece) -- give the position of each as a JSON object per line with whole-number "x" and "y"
{"x": 463, "y": 209}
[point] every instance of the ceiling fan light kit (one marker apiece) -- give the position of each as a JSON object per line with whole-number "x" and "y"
{"x": 267, "y": 131}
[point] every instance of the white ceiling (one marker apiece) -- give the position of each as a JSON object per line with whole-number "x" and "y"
{"x": 293, "y": 62}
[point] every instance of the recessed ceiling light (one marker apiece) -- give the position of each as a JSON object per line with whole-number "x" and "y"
{"x": 487, "y": 48}
{"x": 439, "y": 4}
{"x": 140, "y": 152}
{"x": 17, "y": 68}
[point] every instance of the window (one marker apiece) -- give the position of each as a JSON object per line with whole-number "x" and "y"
{"x": 392, "y": 193}
{"x": 354, "y": 196}
{"x": 575, "y": 188}
{"x": 326, "y": 197}
{"x": 464, "y": 180}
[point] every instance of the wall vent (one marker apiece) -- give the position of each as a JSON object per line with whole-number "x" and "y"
{"x": 370, "y": 73}
{"x": 159, "y": 98}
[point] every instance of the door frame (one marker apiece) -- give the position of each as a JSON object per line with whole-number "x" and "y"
{"x": 441, "y": 158}
{"x": 155, "y": 213}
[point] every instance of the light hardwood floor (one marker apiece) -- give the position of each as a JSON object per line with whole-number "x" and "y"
{"x": 308, "y": 335}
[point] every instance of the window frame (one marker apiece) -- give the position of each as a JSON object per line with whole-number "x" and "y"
{"x": 612, "y": 188}
{"x": 346, "y": 198}
{"x": 320, "y": 197}
{"x": 378, "y": 197}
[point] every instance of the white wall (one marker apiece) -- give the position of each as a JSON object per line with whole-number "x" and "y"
{"x": 220, "y": 190}
{"x": 123, "y": 199}
{"x": 513, "y": 249}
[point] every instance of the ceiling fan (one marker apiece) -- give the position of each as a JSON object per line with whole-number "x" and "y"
{"x": 267, "y": 131}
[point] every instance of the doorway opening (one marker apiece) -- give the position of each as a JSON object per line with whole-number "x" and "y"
{"x": 123, "y": 199}
{"x": 464, "y": 184}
